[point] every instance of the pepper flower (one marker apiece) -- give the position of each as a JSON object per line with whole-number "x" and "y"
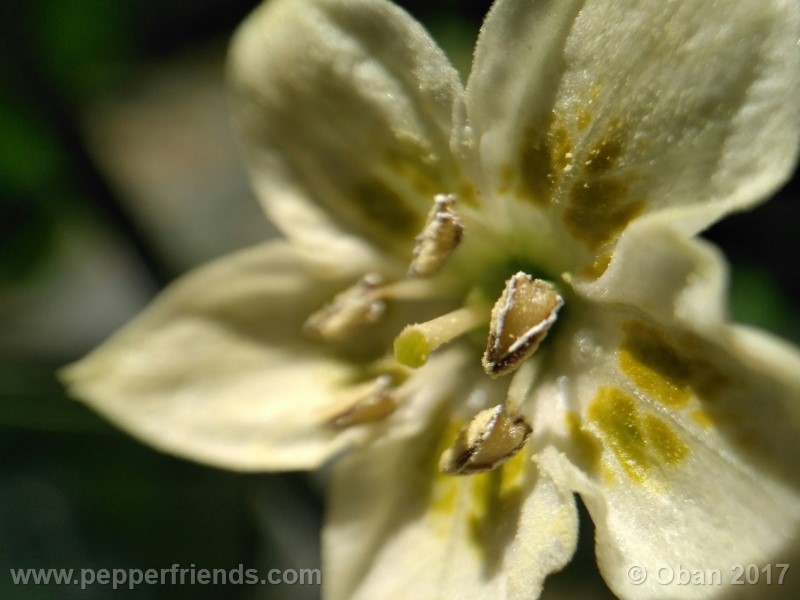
{"x": 490, "y": 298}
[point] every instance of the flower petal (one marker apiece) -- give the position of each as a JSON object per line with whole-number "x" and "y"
{"x": 595, "y": 112}
{"x": 676, "y": 280}
{"x": 683, "y": 448}
{"x": 344, "y": 108}
{"x": 216, "y": 369}
{"x": 398, "y": 528}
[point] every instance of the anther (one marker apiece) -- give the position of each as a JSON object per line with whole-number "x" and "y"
{"x": 365, "y": 403}
{"x": 439, "y": 238}
{"x": 490, "y": 439}
{"x": 520, "y": 321}
{"x": 356, "y": 307}
{"x": 416, "y": 342}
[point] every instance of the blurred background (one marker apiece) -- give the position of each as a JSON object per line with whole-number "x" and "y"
{"x": 118, "y": 173}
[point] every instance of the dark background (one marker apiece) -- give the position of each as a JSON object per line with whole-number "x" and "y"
{"x": 114, "y": 154}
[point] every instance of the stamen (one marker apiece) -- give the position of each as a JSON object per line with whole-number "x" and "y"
{"x": 356, "y": 307}
{"x": 521, "y": 383}
{"x": 490, "y": 439}
{"x": 412, "y": 289}
{"x": 521, "y": 319}
{"x": 439, "y": 238}
{"x": 416, "y": 342}
{"x": 365, "y": 403}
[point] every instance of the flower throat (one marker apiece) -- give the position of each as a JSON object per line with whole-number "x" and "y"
{"x": 518, "y": 322}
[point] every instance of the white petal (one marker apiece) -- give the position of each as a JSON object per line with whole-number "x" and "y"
{"x": 592, "y": 113}
{"x": 216, "y": 369}
{"x": 683, "y": 449}
{"x": 344, "y": 108}
{"x": 398, "y": 528}
{"x": 673, "y": 278}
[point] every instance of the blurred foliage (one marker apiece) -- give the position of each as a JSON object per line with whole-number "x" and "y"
{"x": 31, "y": 165}
{"x": 75, "y": 492}
{"x": 756, "y": 299}
{"x": 86, "y": 496}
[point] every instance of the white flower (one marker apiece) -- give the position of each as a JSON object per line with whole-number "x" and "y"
{"x": 593, "y": 140}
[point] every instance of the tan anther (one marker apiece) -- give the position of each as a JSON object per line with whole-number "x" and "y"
{"x": 520, "y": 321}
{"x": 440, "y": 237}
{"x": 365, "y": 403}
{"x": 490, "y": 439}
{"x": 356, "y": 307}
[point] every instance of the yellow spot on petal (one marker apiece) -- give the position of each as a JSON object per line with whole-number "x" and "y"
{"x": 588, "y": 448}
{"x": 444, "y": 488}
{"x": 658, "y": 375}
{"x": 640, "y": 443}
{"x": 605, "y": 155}
{"x": 495, "y": 502}
{"x": 584, "y": 119}
{"x": 506, "y": 179}
{"x": 380, "y": 206}
{"x": 411, "y": 173}
{"x": 545, "y": 153}
{"x": 667, "y": 370}
{"x": 484, "y": 507}
{"x": 492, "y": 486}
{"x": 595, "y": 93}
{"x": 468, "y": 195}
{"x": 598, "y": 210}
{"x": 513, "y": 473}
{"x": 600, "y": 204}
{"x": 598, "y": 267}
{"x": 702, "y": 418}
{"x": 661, "y": 437}
{"x": 445, "y": 492}
{"x": 560, "y": 149}
{"x": 617, "y": 419}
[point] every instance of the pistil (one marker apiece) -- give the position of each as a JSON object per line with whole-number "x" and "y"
{"x": 416, "y": 342}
